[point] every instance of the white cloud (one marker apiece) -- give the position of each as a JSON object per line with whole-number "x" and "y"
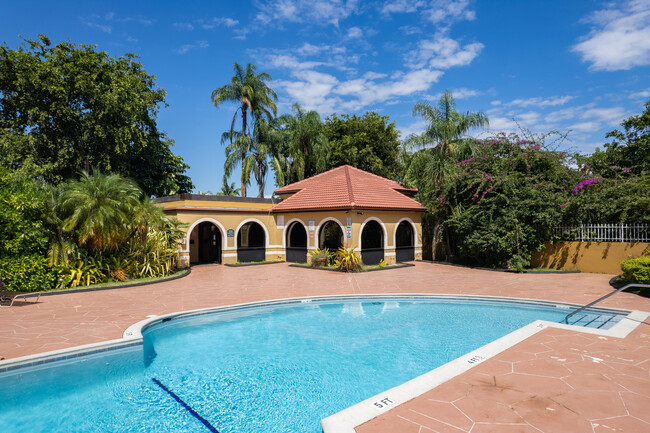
{"x": 443, "y": 52}
{"x": 619, "y": 38}
{"x": 414, "y": 128}
{"x": 290, "y": 62}
{"x": 446, "y": 11}
{"x": 183, "y": 26}
{"x": 437, "y": 11}
{"x": 354, "y": 32}
{"x": 643, "y": 94}
{"x": 317, "y": 11}
{"x": 225, "y": 21}
{"x": 541, "y": 102}
{"x": 325, "y": 93}
{"x": 402, "y": 6}
{"x": 188, "y": 47}
{"x": 103, "y": 27}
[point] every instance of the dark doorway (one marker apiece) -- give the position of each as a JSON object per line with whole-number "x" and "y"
{"x": 251, "y": 242}
{"x": 209, "y": 243}
{"x": 296, "y": 243}
{"x": 372, "y": 243}
{"x": 404, "y": 243}
{"x": 330, "y": 236}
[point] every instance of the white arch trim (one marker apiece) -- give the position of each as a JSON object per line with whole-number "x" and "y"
{"x": 205, "y": 220}
{"x": 415, "y": 232}
{"x": 321, "y": 223}
{"x": 286, "y": 228}
{"x": 383, "y": 228}
{"x": 255, "y": 220}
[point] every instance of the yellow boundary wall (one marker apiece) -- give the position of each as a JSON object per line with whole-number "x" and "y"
{"x": 597, "y": 257}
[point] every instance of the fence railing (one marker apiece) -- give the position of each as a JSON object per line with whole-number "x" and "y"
{"x": 604, "y": 232}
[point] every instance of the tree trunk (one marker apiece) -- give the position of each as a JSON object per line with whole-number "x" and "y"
{"x": 243, "y": 133}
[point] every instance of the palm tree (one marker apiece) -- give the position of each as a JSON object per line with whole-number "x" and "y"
{"x": 256, "y": 99}
{"x": 228, "y": 189}
{"x": 445, "y": 125}
{"x": 306, "y": 144}
{"x": 100, "y": 210}
{"x": 261, "y": 151}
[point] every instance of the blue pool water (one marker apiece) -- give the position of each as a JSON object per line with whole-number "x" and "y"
{"x": 267, "y": 369}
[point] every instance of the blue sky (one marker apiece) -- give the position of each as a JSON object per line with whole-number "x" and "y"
{"x": 572, "y": 65}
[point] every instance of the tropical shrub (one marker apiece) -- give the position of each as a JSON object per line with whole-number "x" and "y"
{"x": 82, "y": 272}
{"x": 320, "y": 257}
{"x": 347, "y": 260}
{"x": 636, "y": 270}
{"x": 502, "y": 202}
{"x": 27, "y": 273}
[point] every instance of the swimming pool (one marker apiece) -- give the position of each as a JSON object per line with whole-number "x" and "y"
{"x": 275, "y": 368}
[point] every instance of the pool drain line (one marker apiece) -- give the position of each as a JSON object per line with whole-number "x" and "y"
{"x": 186, "y": 406}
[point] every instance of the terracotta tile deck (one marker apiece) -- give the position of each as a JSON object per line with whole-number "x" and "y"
{"x": 555, "y": 381}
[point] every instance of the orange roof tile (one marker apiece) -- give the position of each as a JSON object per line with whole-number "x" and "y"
{"x": 346, "y": 187}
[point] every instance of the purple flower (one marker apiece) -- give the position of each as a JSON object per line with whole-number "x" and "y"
{"x": 484, "y": 192}
{"x": 562, "y": 205}
{"x": 478, "y": 202}
{"x": 583, "y": 184}
{"x": 475, "y": 195}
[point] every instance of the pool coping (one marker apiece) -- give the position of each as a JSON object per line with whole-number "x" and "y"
{"x": 348, "y": 419}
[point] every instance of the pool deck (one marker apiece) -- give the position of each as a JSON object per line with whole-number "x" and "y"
{"x": 555, "y": 381}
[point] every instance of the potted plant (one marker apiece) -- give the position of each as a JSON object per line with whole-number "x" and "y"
{"x": 320, "y": 257}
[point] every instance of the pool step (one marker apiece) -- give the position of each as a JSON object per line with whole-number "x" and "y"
{"x": 595, "y": 320}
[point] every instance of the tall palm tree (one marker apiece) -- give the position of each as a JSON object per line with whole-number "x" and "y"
{"x": 255, "y": 98}
{"x": 306, "y": 144}
{"x": 446, "y": 125}
{"x": 261, "y": 153}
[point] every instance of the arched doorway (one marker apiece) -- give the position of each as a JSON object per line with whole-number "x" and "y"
{"x": 251, "y": 242}
{"x": 404, "y": 242}
{"x": 296, "y": 243}
{"x": 372, "y": 243}
{"x": 206, "y": 240}
{"x": 330, "y": 236}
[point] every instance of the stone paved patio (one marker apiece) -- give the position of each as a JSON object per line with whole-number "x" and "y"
{"x": 555, "y": 381}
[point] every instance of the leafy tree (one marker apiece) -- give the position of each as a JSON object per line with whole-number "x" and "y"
{"x": 305, "y": 148}
{"x": 23, "y": 235}
{"x": 69, "y": 107}
{"x": 368, "y": 142}
{"x": 255, "y": 98}
{"x": 445, "y": 124}
{"x": 629, "y": 150}
{"x": 228, "y": 189}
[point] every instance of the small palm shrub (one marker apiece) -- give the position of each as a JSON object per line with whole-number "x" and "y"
{"x": 82, "y": 272}
{"x": 320, "y": 257}
{"x": 382, "y": 263}
{"x": 348, "y": 261}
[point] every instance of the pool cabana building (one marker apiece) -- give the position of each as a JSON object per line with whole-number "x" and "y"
{"x": 345, "y": 207}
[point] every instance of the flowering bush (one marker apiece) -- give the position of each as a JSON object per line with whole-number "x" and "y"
{"x": 501, "y": 203}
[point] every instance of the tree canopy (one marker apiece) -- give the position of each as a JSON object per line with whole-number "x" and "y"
{"x": 68, "y": 108}
{"x": 368, "y": 142}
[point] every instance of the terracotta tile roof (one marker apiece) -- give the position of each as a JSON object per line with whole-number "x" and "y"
{"x": 346, "y": 187}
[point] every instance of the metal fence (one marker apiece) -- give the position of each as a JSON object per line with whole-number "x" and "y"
{"x": 604, "y": 232}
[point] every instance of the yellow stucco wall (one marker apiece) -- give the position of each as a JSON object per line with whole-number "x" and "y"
{"x": 226, "y": 216}
{"x": 598, "y": 257}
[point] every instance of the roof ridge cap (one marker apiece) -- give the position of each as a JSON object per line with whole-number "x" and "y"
{"x": 349, "y": 182}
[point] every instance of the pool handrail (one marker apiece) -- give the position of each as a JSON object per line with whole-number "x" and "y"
{"x": 620, "y": 289}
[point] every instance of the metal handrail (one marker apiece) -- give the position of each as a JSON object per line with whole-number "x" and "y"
{"x": 584, "y": 307}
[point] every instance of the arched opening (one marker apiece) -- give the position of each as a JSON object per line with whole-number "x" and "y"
{"x": 330, "y": 236}
{"x": 296, "y": 243}
{"x": 372, "y": 243}
{"x": 404, "y": 242}
{"x": 205, "y": 243}
{"x": 251, "y": 241}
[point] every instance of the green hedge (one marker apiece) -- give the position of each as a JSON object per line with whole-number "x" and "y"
{"x": 637, "y": 270}
{"x": 29, "y": 273}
